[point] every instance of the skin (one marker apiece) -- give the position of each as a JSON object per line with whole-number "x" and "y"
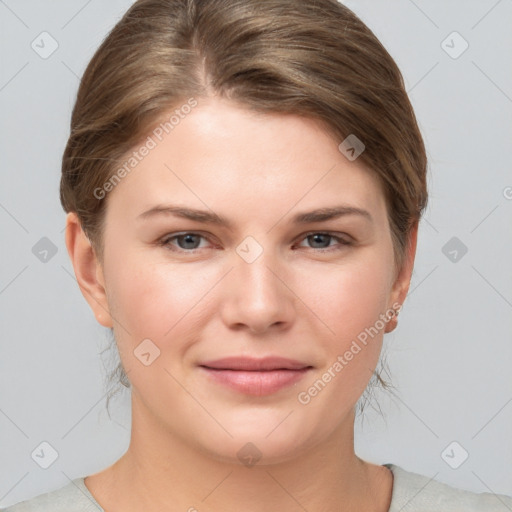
{"x": 298, "y": 299}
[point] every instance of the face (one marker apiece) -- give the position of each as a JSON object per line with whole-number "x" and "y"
{"x": 247, "y": 236}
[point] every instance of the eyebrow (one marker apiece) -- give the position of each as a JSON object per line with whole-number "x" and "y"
{"x": 210, "y": 217}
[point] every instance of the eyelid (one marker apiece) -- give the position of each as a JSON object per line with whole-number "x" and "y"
{"x": 334, "y": 234}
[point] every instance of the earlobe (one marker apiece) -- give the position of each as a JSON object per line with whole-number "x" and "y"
{"x": 88, "y": 270}
{"x": 403, "y": 279}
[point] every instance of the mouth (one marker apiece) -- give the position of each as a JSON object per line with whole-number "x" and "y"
{"x": 256, "y": 377}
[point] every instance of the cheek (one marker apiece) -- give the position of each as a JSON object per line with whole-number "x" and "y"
{"x": 347, "y": 298}
{"x": 156, "y": 300}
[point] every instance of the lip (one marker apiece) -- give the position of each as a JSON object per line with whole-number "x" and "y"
{"x": 255, "y": 364}
{"x": 256, "y": 377}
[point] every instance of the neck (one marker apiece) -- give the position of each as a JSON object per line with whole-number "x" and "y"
{"x": 162, "y": 471}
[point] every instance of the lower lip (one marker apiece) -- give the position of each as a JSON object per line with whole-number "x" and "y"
{"x": 256, "y": 383}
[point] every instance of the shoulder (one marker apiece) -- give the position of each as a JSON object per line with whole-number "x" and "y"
{"x": 418, "y": 493}
{"x": 73, "y": 497}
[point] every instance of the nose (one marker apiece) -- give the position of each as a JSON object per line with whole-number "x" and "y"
{"x": 258, "y": 296}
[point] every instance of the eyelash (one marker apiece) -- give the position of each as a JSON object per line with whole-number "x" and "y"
{"x": 165, "y": 242}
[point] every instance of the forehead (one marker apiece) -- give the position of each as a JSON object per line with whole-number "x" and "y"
{"x": 225, "y": 156}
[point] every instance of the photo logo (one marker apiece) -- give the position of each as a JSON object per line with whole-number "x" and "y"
{"x": 146, "y": 352}
{"x": 351, "y": 147}
{"x": 454, "y": 455}
{"x": 44, "y": 455}
{"x": 249, "y": 455}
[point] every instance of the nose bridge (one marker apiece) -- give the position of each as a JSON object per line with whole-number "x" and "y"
{"x": 257, "y": 297}
{"x": 256, "y": 279}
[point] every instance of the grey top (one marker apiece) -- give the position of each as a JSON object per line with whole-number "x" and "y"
{"x": 411, "y": 493}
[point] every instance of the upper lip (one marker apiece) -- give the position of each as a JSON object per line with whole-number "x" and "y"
{"x": 255, "y": 364}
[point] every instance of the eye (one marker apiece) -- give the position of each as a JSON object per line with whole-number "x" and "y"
{"x": 324, "y": 241}
{"x": 186, "y": 241}
{"x": 190, "y": 241}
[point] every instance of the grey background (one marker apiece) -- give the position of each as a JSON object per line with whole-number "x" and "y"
{"x": 450, "y": 357}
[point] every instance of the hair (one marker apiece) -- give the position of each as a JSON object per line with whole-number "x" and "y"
{"x": 312, "y": 58}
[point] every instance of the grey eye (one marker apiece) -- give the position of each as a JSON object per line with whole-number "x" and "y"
{"x": 319, "y": 240}
{"x": 188, "y": 241}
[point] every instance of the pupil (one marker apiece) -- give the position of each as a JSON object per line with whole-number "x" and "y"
{"x": 321, "y": 239}
{"x": 188, "y": 242}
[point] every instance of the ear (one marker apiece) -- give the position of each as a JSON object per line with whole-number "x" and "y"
{"x": 403, "y": 278}
{"x": 88, "y": 270}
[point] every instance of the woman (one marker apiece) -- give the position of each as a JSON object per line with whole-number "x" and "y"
{"x": 244, "y": 181}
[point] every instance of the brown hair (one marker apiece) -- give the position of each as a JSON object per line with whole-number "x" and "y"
{"x": 310, "y": 58}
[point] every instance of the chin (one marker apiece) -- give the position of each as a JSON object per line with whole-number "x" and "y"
{"x": 263, "y": 438}
{"x": 256, "y": 451}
